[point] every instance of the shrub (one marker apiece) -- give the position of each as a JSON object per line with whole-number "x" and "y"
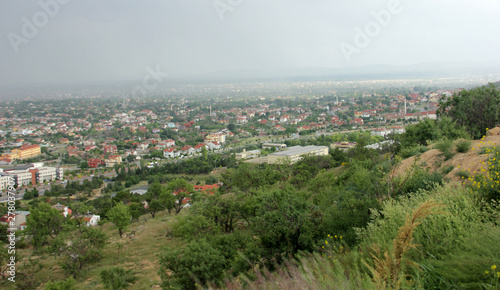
{"x": 486, "y": 150}
{"x": 462, "y": 174}
{"x": 447, "y": 169}
{"x": 419, "y": 180}
{"x": 412, "y": 151}
{"x": 444, "y": 145}
{"x": 117, "y": 278}
{"x": 451, "y": 250}
{"x": 463, "y": 146}
{"x": 194, "y": 265}
{"x": 68, "y": 284}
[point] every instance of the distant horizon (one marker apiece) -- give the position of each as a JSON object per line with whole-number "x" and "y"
{"x": 80, "y": 42}
{"x": 439, "y": 69}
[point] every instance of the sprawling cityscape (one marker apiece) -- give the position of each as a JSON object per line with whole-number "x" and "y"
{"x": 233, "y": 144}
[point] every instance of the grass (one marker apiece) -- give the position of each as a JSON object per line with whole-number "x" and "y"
{"x": 138, "y": 254}
{"x": 463, "y": 146}
{"x": 445, "y": 147}
{"x": 389, "y": 269}
{"x": 462, "y": 174}
{"x": 486, "y": 150}
{"x": 447, "y": 169}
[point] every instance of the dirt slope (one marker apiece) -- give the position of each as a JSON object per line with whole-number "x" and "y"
{"x": 471, "y": 161}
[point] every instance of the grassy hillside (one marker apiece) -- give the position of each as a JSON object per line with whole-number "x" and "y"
{"x": 139, "y": 253}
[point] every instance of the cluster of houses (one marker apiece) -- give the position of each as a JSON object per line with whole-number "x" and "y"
{"x": 17, "y": 221}
{"x": 173, "y": 152}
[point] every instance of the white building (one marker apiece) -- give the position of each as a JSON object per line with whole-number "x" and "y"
{"x": 34, "y": 173}
{"x": 296, "y": 153}
{"x": 170, "y": 153}
{"x": 4, "y": 180}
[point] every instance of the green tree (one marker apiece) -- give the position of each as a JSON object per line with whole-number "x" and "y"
{"x": 155, "y": 206}
{"x": 44, "y": 221}
{"x": 286, "y": 223}
{"x": 475, "y": 109}
{"x": 182, "y": 190}
{"x": 136, "y": 210}
{"x": 204, "y": 153}
{"x": 198, "y": 262}
{"x": 85, "y": 247}
{"x": 119, "y": 215}
{"x": 231, "y": 127}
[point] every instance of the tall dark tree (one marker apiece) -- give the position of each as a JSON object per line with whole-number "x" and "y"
{"x": 475, "y": 109}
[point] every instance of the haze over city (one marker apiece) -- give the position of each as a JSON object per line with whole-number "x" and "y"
{"x": 78, "y": 42}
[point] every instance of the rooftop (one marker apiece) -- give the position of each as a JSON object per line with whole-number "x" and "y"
{"x": 296, "y": 150}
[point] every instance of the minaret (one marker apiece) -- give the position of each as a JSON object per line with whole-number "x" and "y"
{"x": 210, "y": 110}
{"x": 405, "y": 106}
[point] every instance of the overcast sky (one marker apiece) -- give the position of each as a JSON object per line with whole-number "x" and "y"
{"x": 91, "y": 40}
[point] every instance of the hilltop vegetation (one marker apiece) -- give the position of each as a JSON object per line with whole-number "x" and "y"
{"x": 413, "y": 214}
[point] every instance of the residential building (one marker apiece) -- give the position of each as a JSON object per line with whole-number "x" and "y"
{"x": 187, "y": 150}
{"x": 380, "y": 132}
{"x": 16, "y": 221}
{"x": 24, "y": 152}
{"x": 199, "y": 146}
{"x": 209, "y": 189}
{"x": 111, "y": 149}
{"x": 170, "y": 153}
{"x": 221, "y": 138}
{"x": 94, "y": 163}
{"x": 66, "y": 211}
{"x": 91, "y": 220}
{"x": 214, "y": 145}
{"x": 112, "y": 160}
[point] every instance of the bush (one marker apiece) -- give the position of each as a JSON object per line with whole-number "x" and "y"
{"x": 117, "y": 278}
{"x": 419, "y": 180}
{"x": 486, "y": 150}
{"x": 194, "y": 226}
{"x": 68, "y": 284}
{"x": 194, "y": 265}
{"x": 447, "y": 169}
{"x": 462, "y": 174}
{"x": 444, "y": 145}
{"x": 463, "y": 146}
{"x": 412, "y": 151}
{"x": 451, "y": 250}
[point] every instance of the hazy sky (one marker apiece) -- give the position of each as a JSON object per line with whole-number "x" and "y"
{"x": 90, "y": 40}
